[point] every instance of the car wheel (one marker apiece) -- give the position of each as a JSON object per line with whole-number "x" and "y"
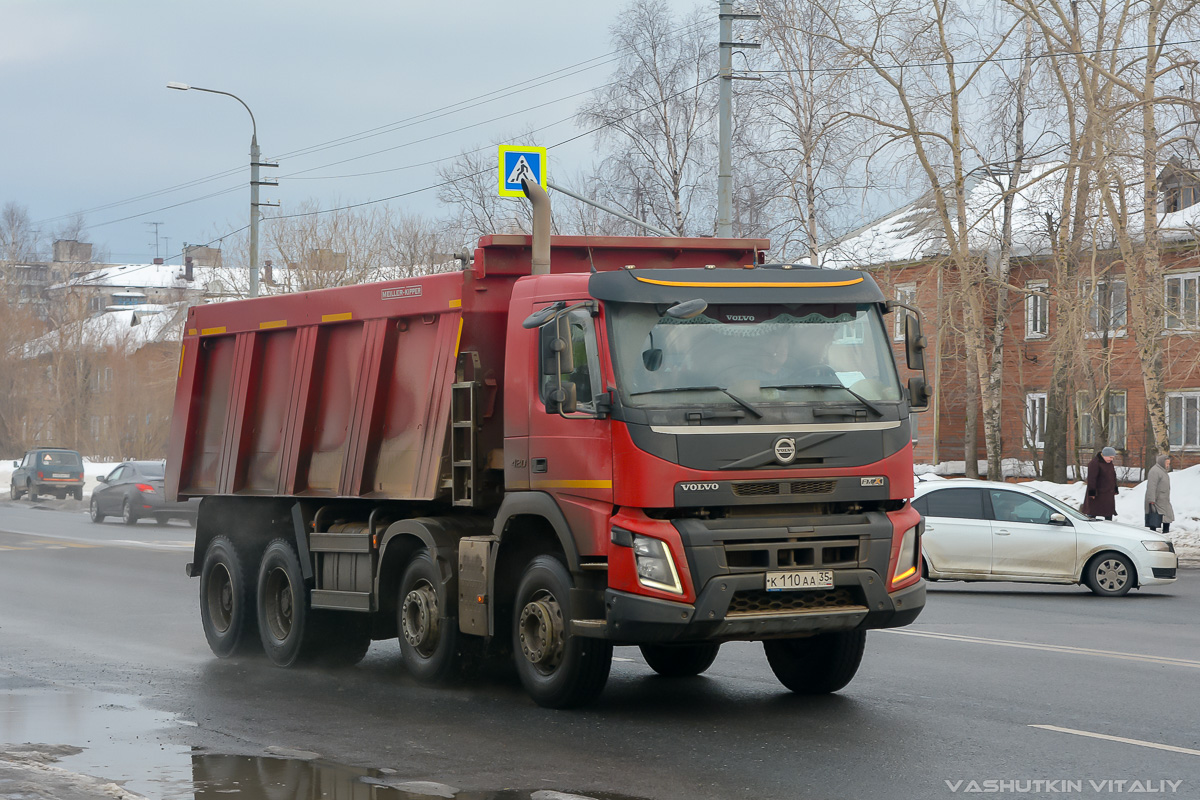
{"x": 1110, "y": 575}
{"x": 680, "y": 660}
{"x": 94, "y": 510}
{"x": 31, "y": 490}
{"x": 161, "y": 519}
{"x": 558, "y": 669}
{"x": 128, "y": 515}
{"x": 14, "y": 492}
{"x": 819, "y": 664}
{"x": 79, "y": 493}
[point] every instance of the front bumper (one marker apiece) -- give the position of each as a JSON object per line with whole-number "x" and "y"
{"x": 1154, "y": 566}
{"x": 735, "y": 607}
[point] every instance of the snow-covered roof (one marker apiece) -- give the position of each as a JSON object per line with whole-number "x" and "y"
{"x": 143, "y": 276}
{"x": 914, "y": 232}
{"x": 127, "y": 328}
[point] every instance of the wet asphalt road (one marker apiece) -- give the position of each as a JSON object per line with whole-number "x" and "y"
{"x": 101, "y": 651}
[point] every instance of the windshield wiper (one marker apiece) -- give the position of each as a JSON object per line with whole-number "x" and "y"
{"x": 874, "y": 408}
{"x": 730, "y": 394}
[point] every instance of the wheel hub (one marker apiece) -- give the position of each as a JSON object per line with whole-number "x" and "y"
{"x": 542, "y": 632}
{"x": 1111, "y": 575}
{"x": 220, "y": 599}
{"x": 420, "y": 617}
{"x": 279, "y": 604}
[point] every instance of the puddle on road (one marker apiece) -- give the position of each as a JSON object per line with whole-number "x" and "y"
{"x": 86, "y": 741}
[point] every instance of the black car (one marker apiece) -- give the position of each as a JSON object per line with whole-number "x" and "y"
{"x": 48, "y": 470}
{"x": 134, "y": 490}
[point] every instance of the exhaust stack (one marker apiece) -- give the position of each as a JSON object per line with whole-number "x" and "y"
{"x": 541, "y": 226}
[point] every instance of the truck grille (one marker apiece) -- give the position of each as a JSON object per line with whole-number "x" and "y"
{"x": 766, "y": 488}
{"x": 760, "y": 601}
{"x": 775, "y": 554}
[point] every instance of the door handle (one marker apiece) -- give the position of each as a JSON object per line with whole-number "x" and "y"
{"x": 1003, "y": 533}
{"x": 541, "y": 464}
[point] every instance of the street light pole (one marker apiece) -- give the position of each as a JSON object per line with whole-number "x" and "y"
{"x": 255, "y": 163}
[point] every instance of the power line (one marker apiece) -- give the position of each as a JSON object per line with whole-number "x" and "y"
{"x": 462, "y": 105}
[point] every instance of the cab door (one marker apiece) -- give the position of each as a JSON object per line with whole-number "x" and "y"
{"x": 570, "y": 452}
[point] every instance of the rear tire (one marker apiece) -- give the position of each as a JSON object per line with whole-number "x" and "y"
{"x": 347, "y": 641}
{"x": 128, "y": 515}
{"x": 428, "y": 628}
{"x": 291, "y": 633}
{"x": 31, "y": 490}
{"x": 79, "y": 493}
{"x": 558, "y": 669}
{"x": 161, "y": 519}
{"x": 817, "y": 665}
{"x": 680, "y": 660}
{"x": 226, "y": 600}
{"x": 94, "y": 510}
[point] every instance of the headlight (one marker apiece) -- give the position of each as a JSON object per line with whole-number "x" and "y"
{"x": 1159, "y": 546}
{"x": 906, "y": 562}
{"x": 655, "y": 567}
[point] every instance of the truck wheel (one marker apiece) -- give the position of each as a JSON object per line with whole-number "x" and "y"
{"x": 680, "y": 660}
{"x": 428, "y": 628}
{"x": 817, "y": 665}
{"x": 558, "y": 670}
{"x": 226, "y": 600}
{"x": 347, "y": 639}
{"x": 289, "y": 630}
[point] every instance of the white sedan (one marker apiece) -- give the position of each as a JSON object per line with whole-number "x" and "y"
{"x": 986, "y": 531}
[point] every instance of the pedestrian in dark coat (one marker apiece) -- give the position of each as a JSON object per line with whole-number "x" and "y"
{"x": 1158, "y": 491}
{"x": 1101, "y": 500}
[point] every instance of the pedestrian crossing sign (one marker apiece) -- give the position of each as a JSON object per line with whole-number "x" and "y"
{"x": 517, "y": 162}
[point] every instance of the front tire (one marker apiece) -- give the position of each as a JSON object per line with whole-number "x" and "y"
{"x": 428, "y": 627}
{"x": 817, "y": 665}
{"x": 226, "y": 600}
{"x": 1110, "y": 575}
{"x": 13, "y": 492}
{"x": 558, "y": 670}
{"x": 128, "y": 515}
{"x": 94, "y": 511}
{"x": 680, "y": 660}
{"x": 286, "y": 625}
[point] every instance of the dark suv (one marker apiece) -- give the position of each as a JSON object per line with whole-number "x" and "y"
{"x": 48, "y": 470}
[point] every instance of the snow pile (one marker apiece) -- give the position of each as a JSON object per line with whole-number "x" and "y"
{"x": 91, "y": 471}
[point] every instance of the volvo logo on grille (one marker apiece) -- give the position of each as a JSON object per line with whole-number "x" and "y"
{"x": 699, "y": 487}
{"x": 785, "y": 450}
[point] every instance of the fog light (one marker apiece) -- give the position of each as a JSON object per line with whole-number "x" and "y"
{"x": 906, "y": 562}
{"x": 655, "y": 567}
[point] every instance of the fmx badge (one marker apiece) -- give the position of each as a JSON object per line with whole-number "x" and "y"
{"x": 517, "y": 162}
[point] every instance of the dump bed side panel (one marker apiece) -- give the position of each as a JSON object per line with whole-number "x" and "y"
{"x": 342, "y": 392}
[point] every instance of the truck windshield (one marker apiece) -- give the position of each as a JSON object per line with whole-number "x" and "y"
{"x": 760, "y": 354}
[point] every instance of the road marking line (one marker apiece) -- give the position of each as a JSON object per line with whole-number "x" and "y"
{"x": 1055, "y": 648}
{"x": 1138, "y": 742}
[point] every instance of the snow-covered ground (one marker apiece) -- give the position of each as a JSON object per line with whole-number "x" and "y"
{"x": 91, "y": 471}
{"x": 1185, "y": 498}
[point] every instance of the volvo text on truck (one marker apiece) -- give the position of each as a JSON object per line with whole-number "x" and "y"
{"x": 569, "y": 444}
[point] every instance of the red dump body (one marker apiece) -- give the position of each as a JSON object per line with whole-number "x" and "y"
{"x": 346, "y": 392}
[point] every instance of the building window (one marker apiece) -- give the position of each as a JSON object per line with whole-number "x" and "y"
{"x": 1094, "y": 417}
{"x": 905, "y": 293}
{"x": 1035, "y": 419}
{"x": 1183, "y": 419}
{"x": 1181, "y": 197}
{"x": 1181, "y": 291}
{"x": 1037, "y": 310}
{"x": 1107, "y": 307}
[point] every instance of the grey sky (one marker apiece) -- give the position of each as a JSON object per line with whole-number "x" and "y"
{"x": 88, "y": 120}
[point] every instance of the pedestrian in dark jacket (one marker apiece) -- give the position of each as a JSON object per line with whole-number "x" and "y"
{"x": 1158, "y": 492}
{"x": 1101, "y": 500}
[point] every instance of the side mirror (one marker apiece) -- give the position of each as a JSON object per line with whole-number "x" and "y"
{"x": 102, "y": 479}
{"x": 16, "y": 464}
{"x": 652, "y": 359}
{"x": 918, "y": 393}
{"x": 558, "y": 357}
{"x": 914, "y": 341}
{"x": 563, "y": 400}
{"x": 540, "y": 317}
{"x": 687, "y": 309}
{"x": 1058, "y": 519}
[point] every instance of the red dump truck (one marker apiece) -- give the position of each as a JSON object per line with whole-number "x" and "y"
{"x": 569, "y": 444}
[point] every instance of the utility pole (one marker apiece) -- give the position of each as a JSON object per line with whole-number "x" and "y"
{"x": 726, "y": 45}
{"x": 155, "y": 224}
